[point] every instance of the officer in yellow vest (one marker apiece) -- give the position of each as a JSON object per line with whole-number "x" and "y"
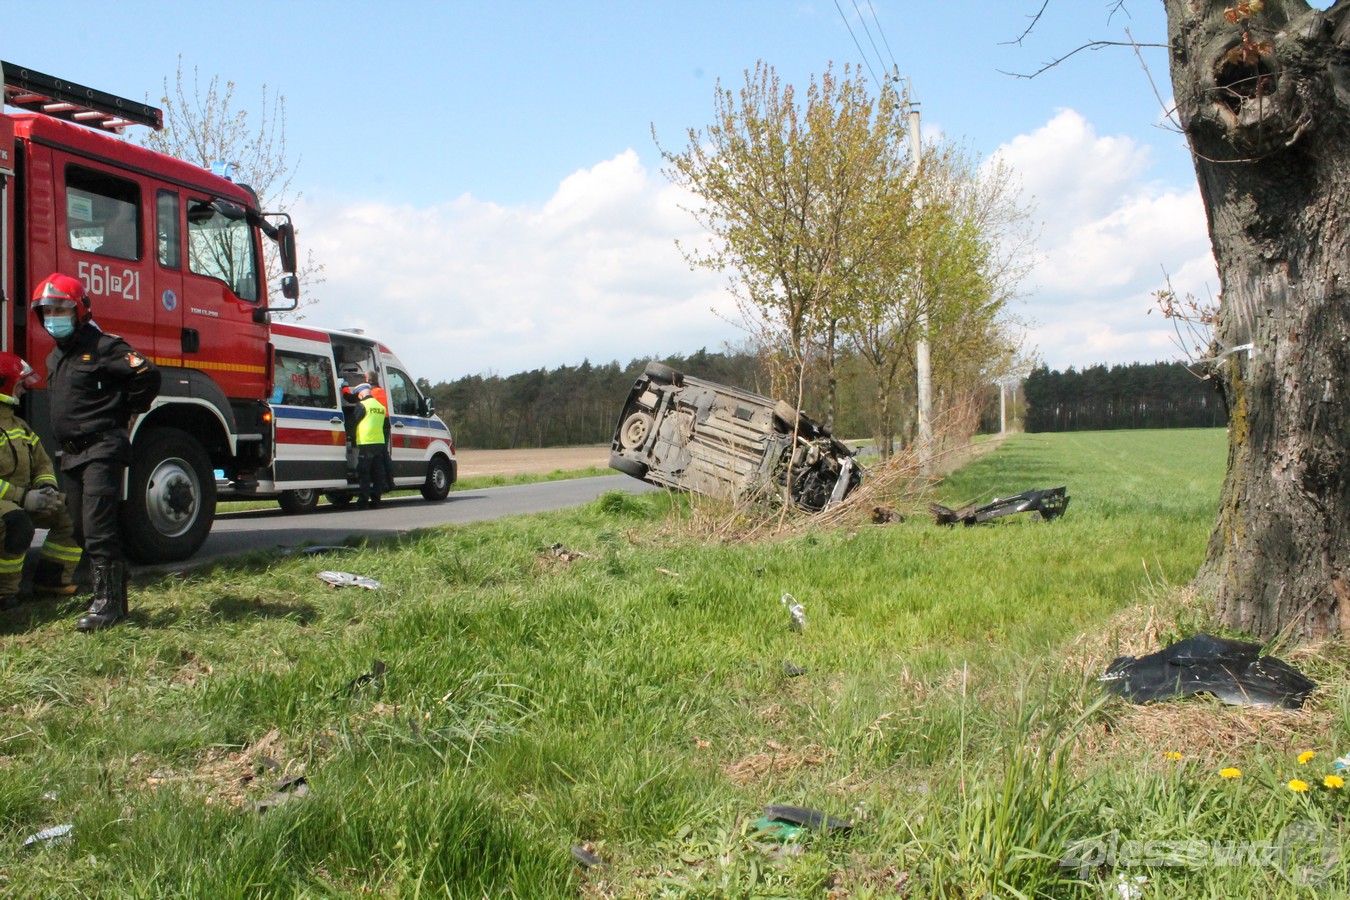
{"x": 370, "y": 447}
{"x": 29, "y": 498}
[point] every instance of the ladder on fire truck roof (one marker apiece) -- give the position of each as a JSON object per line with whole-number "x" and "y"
{"x": 37, "y": 92}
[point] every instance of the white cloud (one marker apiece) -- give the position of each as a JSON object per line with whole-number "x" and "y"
{"x": 1110, "y": 238}
{"x": 471, "y": 286}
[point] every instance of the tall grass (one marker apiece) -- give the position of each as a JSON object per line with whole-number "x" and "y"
{"x": 647, "y": 698}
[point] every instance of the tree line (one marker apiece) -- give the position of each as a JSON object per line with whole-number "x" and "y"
{"x": 1137, "y": 395}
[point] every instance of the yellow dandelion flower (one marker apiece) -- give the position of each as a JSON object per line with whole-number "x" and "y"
{"x": 1335, "y": 782}
{"x": 1230, "y": 772}
{"x": 1298, "y": 786}
{"x": 1305, "y": 756}
{"x": 1172, "y": 754}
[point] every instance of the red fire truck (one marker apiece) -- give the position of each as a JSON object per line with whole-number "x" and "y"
{"x": 172, "y": 257}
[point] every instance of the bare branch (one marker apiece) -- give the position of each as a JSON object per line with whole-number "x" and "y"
{"x": 1034, "y": 19}
{"x": 1092, "y": 45}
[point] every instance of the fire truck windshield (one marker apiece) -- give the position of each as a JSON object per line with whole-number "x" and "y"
{"x": 221, "y": 246}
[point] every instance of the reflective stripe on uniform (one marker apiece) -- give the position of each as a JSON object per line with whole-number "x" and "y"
{"x": 62, "y": 553}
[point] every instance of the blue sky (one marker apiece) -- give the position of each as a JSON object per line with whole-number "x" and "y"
{"x": 481, "y": 182}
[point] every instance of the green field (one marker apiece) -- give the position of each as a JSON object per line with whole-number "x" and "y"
{"x": 644, "y": 696}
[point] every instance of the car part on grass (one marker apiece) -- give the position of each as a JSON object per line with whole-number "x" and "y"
{"x": 792, "y": 670}
{"x": 376, "y": 673}
{"x": 1042, "y": 504}
{"x": 347, "y": 579}
{"x": 1233, "y": 671}
{"x": 796, "y": 612}
{"x": 806, "y": 818}
{"x": 585, "y": 857}
{"x": 682, "y": 432}
{"x": 54, "y": 835}
{"x": 285, "y": 790}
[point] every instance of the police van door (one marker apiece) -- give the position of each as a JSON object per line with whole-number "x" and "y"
{"x": 311, "y": 440}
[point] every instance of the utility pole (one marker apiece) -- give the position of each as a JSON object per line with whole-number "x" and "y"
{"x": 923, "y": 362}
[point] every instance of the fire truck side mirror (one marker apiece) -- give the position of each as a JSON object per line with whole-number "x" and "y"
{"x": 290, "y": 287}
{"x": 286, "y": 247}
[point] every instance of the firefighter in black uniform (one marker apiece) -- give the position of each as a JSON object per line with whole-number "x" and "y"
{"x": 95, "y": 382}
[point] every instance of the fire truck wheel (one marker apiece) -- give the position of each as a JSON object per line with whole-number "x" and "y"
{"x": 297, "y": 502}
{"x": 171, "y": 497}
{"x": 338, "y": 498}
{"x": 439, "y": 479}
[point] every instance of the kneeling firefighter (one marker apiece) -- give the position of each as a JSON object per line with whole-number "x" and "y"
{"x": 95, "y": 382}
{"x": 29, "y": 498}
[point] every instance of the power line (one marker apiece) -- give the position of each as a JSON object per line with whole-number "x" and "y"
{"x": 868, "y": 32}
{"x": 865, "y": 60}
{"x": 895, "y": 66}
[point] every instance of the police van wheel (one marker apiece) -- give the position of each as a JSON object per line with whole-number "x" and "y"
{"x": 660, "y": 372}
{"x": 297, "y": 502}
{"x": 171, "y": 497}
{"x": 439, "y": 478}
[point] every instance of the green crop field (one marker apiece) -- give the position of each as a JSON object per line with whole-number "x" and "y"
{"x": 603, "y": 679}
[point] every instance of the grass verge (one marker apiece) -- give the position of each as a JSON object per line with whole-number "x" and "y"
{"x": 592, "y": 678}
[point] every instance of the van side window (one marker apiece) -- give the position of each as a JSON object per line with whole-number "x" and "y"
{"x": 103, "y": 213}
{"x": 222, "y": 247}
{"x": 403, "y": 395}
{"x": 166, "y": 229}
{"x": 303, "y": 379}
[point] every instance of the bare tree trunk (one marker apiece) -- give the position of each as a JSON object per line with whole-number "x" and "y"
{"x": 1265, "y": 103}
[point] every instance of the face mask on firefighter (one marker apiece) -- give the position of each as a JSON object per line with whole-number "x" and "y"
{"x": 59, "y": 325}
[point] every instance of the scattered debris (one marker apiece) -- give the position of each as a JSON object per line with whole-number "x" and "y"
{"x": 53, "y": 835}
{"x": 377, "y": 670}
{"x": 585, "y": 855}
{"x": 318, "y": 550}
{"x": 1128, "y": 888}
{"x": 284, "y": 791}
{"x": 1042, "y": 504}
{"x": 668, "y": 572}
{"x": 806, "y": 818}
{"x": 884, "y": 515}
{"x": 777, "y": 831}
{"x": 560, "y": 552}
{"x": 347, "y": 579}
{"x": 791, "y": 670}
{"x": 796, "y": 611}
{"x": 1233, "y": 671}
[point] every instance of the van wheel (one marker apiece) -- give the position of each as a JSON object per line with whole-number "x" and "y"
{"x": 439, "y": 478}
{"x": 785, "y": 415}
{"x": 635, "y": 430}
{"x": 171, "y": 498}
{"x": 297, "y": 502}
{"x": 627, "y": 466}
{"x": 662, "y": 373}
{"x": 338, "y": 498}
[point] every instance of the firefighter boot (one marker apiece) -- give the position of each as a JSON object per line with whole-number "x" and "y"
{"x": 110, "y": 598}
{"x": 50, "y": 578}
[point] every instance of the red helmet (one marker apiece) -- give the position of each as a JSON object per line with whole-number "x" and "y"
{"x": 61, "y": 292}
{"x": 14, "y": 371}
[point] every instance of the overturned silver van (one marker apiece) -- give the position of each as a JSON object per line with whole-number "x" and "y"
{"x": 683, "y": 432}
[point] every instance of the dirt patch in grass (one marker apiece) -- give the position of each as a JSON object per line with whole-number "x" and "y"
{"x": 476, "y": 463}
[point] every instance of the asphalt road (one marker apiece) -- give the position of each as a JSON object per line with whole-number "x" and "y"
{"x": 235, "y": 533}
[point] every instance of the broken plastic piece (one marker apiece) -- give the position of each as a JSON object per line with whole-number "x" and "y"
{"x": 347, "y": 579}
{"x": 1233, "y": 671}
{"x": 286, "y": 789}
{"x": 48, "y": 836}
{"x": 1042, "y": 504}
{"x": 796, "y": 612}
{"x": 807, "y": 818}
{"x": 586, "y": 858}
